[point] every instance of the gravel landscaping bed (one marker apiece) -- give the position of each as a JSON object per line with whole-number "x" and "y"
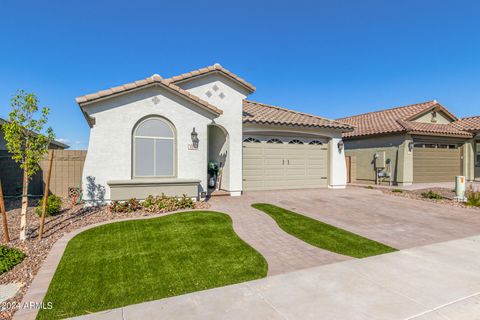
{"x": 448, "y": 195}
{"x": 71, "y": 218}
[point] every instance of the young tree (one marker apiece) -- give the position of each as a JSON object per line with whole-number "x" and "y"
{"x": 27, "y": 141}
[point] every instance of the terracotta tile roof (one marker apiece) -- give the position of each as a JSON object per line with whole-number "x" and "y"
{"x": 255, "y": 112}
{"x": 397, "y": 120}
{"x": 471, "y": 124}
{"x": 433, "y": 129}
{"x": 155, "y": 79}
{"x": 215, "y": 68}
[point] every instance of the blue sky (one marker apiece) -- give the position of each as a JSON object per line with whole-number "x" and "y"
{"x": 330, "y": 58}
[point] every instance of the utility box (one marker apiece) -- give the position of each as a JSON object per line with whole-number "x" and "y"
{"x": 460, "y": 187}
{"x": 380, "y": 159}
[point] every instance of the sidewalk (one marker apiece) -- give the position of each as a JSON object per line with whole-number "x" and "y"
{"x": 439, "y": 281}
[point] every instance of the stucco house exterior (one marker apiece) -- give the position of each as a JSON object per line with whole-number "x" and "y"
{"x": 418, "y": 143}
{"x": 158, "y": 135}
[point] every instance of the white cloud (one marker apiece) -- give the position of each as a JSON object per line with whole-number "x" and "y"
{"x": 62, "y": 140}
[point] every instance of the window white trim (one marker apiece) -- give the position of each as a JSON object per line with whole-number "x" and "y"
{"x": 295, "y": 141}
{"x": 174, "y": 146}
{"x": 251, "y": 140}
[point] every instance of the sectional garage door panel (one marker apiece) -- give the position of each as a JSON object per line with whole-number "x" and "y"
{"x": 268, "y": 166}
{"x": 436, "y": 164}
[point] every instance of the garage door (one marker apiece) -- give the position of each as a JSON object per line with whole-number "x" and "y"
{"x": 436, "y": 164}
{"x": 284, "y": 165}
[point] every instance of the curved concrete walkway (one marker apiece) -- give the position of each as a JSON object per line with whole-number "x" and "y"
{"x": 284, "y": 253}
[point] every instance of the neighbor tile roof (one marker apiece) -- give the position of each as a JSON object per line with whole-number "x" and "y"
{"x": 397, "y": 120}
{"x": 155, "y": 79}
{"x": 471, "y": 124}
{"x": 215, "y": 68}
{"x": 54, "y": 142}
{"x": 255, "y": 112}
{"x": 433, "y": 129}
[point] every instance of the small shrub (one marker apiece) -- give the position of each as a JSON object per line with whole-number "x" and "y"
{"x": 432, "y": 195}
{"x": 473, "y": 197}
{"x": 369, "y": 187}
{"x": 186, "y": 203}
{"x": 54, "y": 204}
{"x": 9, "y": 257}
{"x": 125, "y": 206}
{"x": 153, "y": 204}
{"x": 397, "y": 190}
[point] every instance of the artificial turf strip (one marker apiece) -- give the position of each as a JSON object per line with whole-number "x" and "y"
{"x": 323, "y": 235}
{"x": 124, "y": 263}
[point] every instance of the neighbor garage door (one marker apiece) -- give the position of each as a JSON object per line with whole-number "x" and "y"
{"x": 284, "y": 165}
{"x": 436, "y": 163}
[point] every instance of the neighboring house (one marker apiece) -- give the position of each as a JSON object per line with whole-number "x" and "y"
{"x": 53, "y": 145}
{"x": 11, "y": 174}
{"x": 158, "y": 135}
{"x": 417, "y": 143}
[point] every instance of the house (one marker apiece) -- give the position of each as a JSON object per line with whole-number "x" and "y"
{"x": 53, "y": 145}
{"x": 158, "y": 135}
{"x": 418, "y": 143}
{"x": 11, "y": 174}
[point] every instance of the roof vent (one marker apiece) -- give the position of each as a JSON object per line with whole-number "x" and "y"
{"x": 156, "y": 76}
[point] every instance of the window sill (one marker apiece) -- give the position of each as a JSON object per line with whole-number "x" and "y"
{"x": 153, "y": 181}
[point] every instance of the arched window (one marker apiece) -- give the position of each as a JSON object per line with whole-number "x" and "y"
{"x": 154, "y": 149}
{"x": 315, "y": 142}
{"x": 251, "y": 140}
{"x": 295, "y": 141}
{"x": 274, "y": 140}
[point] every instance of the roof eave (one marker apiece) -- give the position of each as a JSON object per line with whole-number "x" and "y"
{"x": 249, "y": 88}
{"x": 454, "y": 135}
{"x": 82, "y": 102}
{"x": 333, "y": 127}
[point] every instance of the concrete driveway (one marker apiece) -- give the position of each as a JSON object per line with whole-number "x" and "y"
{"x": 396, "y": 221}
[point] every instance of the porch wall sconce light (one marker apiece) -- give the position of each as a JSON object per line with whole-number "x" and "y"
{"x": 410, "y": 146}
{"x": 340, "y": 146}
{"x": 195, "y": 140}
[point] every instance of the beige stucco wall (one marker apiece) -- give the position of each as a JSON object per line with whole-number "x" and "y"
{"x": 396, "y": 150}
{"x": 441, "y": 118}
{"x": 365, "y": 164}
{"x": 469, "y": 160}
{"x": 475, "y": 163}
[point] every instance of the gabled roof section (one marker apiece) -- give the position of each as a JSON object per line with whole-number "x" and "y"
{"x": 470, "y": 124}
{"x": 154, "y": 80}
{"x": 255, "y": 112}
{"x": 435, "y": 107}
{"x": 399, "y": 119}
{"x": 413, "y": 127}
{"x": 216, "y": 68}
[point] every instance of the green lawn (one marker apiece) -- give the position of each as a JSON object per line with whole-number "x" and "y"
{"x": 323, "y": 235}
{"x": 135, "y": 261}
